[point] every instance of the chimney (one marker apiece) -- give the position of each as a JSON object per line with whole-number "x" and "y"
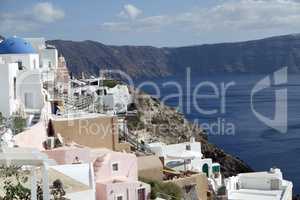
{"x": 192, "y": 140}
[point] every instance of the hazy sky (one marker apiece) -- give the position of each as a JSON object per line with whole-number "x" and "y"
{"x": 150, "y": 22}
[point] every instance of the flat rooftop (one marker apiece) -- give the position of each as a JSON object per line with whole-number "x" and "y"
{"x": 247, "y": 194}
{"x": 80, "y": 115}
{"x": 258, "y": 174}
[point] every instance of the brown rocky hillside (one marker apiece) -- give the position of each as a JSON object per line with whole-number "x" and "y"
{"x": 158, "y": 122}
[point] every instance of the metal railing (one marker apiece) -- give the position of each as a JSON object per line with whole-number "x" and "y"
{"x": 78, "y": 104}
{"x": 133, "y": 140}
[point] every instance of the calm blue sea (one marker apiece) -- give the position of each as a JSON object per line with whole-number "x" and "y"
{"x": 253, "y": 141}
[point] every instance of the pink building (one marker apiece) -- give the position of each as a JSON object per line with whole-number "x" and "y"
{"x": 32, "y": 137}
{"x": 117, "y": 177}
{"x": 69, "y": 155}
{"x": 116, "y": 173}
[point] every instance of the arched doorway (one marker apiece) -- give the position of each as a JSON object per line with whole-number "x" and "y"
{"x": 205, "y": 169}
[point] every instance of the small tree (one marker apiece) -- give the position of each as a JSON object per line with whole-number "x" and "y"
{"x": 110, "y": 83}
{"x": 14, "y": 179}
{"x": 222, "y": 190}
{"x": 19, "y": 124}
{"x": 50, "y": 129}
{"x": 1, "y": 118}
{"x": 164, "y": 190}
{"x": 57, "y": 190}
{"x": 13, "y": 183}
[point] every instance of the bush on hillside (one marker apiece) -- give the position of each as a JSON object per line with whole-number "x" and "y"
{"x": 164, "y": 190}
{"x": 110, "y": 83}
{"x": 19, "y": 124}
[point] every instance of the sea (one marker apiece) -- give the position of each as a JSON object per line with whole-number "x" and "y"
{"x": 222, "y": 105}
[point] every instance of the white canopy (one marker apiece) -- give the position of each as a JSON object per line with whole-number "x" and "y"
{"x": 185, "y": 155}
{"x": 23, "y": 156}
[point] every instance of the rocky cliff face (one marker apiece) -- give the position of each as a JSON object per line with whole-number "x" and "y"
{"x": 257, "y": 56}
{"x": 158, "y": 122}
{"x": 90, "y": 57}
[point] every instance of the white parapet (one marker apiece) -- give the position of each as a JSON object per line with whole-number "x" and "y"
{"x": 259, "y": 185}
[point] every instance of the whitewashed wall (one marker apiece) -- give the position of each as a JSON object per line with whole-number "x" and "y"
{"x": 30, "y": 61}
{"x": 7, "y": 74}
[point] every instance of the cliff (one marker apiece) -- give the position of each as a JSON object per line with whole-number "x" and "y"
{"x": 257, "y": 56}
{"x": 158, "y": 122}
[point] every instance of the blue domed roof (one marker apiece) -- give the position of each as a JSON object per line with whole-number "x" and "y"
{"x": 15, "y": 45}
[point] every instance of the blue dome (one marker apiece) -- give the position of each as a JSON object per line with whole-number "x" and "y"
{"x": 15, "y": 45}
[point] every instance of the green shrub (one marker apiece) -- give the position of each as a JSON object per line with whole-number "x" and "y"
{"x": 164, "y": 190}
{"x": 1, "y": 118}
{"x": 135, "y": 122}
{"x": 110, "y": 83}
{"x": 16, "y": 192}
{"x": 19, "y": 124}
{"x": 13, "y": 183}
{"x": 222, "y": 190}
{"x": 15, "y": 178}
{"x": 15, "y": 122}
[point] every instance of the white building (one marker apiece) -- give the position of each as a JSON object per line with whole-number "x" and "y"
{"x": 24, "y": 66}
{"x": 8, "y": 79}
{"x": 29, "y": 90}
{"x": 13, "y": 52}
{"x": 115, "y": 99}
{"x": 78, "y": 180}
{"x": 20, "y": 77}
{"x": 48, "y": 54}
{"x": 121, "y": 97}
{"x": 268, "y": 185}
{"x": 48, "y": 59}
{"x": 188, "y": 156}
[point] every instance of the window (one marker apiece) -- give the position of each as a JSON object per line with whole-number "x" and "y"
{"x": 15, "y": 87}
{"x": 20, "y": 67}
{"x": 141, "y": 194}
{"x": 98, "y": 92}
{"x": 119, "y": 198}
{"x": 94, "y": 83}
{"x": 28, "y": 100}
{"x": 275, "y": 184}
{"x": 115, "y": 167}
{"x": 34, "y": 64}
{"x": 188, "y": 147}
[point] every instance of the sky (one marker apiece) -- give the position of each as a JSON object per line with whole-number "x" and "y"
{"x": 150, "y": 22}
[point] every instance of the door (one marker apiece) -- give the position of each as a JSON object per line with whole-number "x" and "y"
{"x": 28, "y": 100}
{"x": 205, "y": 169}
{"x": 141, "y": 194}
